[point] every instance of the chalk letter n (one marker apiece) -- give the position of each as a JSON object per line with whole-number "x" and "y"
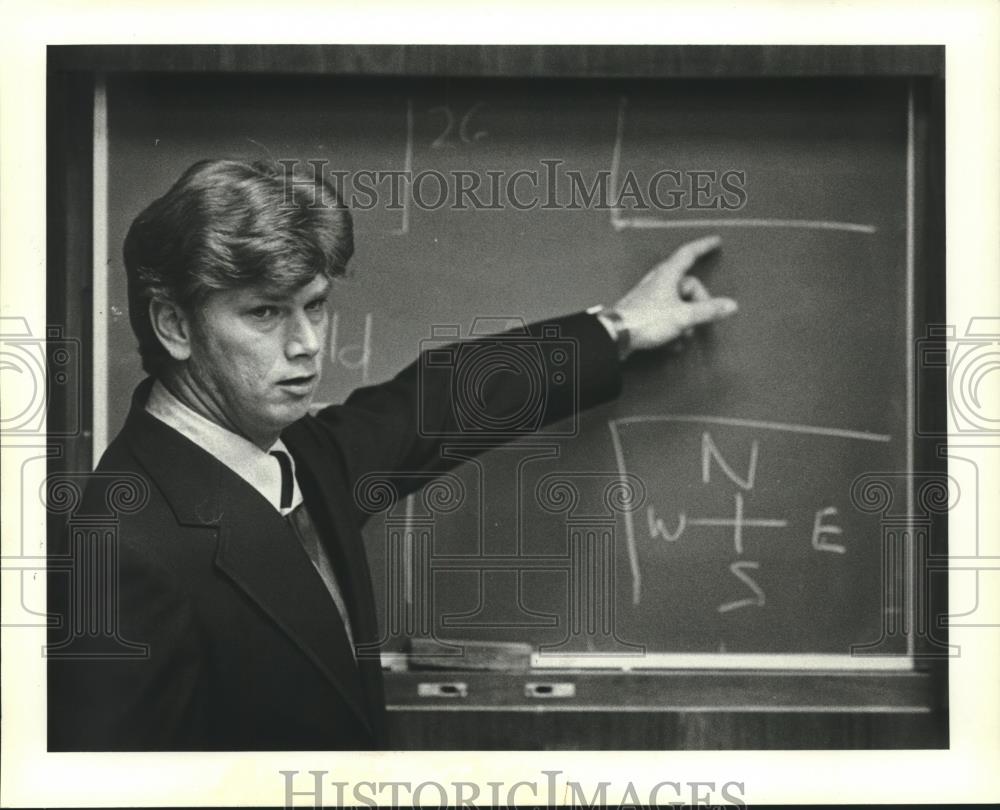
{"x": 710, "y": 451}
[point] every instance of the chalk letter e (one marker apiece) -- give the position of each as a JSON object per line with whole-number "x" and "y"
{"x": 819, "y": 530}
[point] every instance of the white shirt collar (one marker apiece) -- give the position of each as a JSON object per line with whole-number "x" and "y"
{"x": 243, "y": 457}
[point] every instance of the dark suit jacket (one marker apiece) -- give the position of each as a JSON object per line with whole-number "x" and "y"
{"x": 246, "y": 650}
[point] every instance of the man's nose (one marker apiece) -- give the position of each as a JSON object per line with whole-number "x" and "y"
{"x": 305, "y": 337}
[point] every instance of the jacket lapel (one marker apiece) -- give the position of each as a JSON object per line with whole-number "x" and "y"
{"x": 257, "y": 549}
{"x": 260, "y": 552}
{"x": 318, "y": 476}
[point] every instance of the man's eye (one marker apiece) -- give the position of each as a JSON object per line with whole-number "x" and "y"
{"x": 263, "y": 312}
{"x": 316, "y": 306}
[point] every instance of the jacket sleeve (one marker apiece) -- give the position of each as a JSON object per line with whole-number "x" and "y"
{"x": 477, "y": 392}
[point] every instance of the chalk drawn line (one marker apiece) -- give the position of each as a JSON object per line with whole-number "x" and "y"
{"x": 404, "y": 227}
{"x": 786, "y": 427}
{"x": 620, "y": 222}
{"x": 633, "y": 552}
{"x": 816, "y": 224}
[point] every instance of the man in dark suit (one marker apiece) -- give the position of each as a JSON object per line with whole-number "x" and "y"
{"x": 242, "y": 576}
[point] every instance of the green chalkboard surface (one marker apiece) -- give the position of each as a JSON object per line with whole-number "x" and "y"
{"x": 743, "y": 535}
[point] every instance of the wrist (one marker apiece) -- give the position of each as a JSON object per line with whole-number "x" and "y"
{"x": 616, "y": 328}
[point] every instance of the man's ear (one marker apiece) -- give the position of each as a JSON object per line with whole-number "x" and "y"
{"x": 172, "y": 326}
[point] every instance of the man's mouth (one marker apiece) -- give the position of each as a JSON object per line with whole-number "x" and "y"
{"x": 299, "y": 385}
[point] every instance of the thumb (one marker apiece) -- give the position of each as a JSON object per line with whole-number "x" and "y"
{"x": 712, "y": 310}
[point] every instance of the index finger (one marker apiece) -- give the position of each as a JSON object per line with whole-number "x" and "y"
{"x": 684, "y": 258}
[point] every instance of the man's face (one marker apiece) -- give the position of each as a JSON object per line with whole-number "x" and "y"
{"x": 256, "y": 356}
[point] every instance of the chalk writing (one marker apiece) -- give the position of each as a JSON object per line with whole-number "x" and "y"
{"x": 738, "y": 523}
{"x": 739, "y": 569}
{"x": 404, "y": 224}
{"x": 657, "y": 528}
{"x": 710, "y": 451}
{"x": 740, "y": 467}
{"x": 446, "y": 138}
{"x": 354, "y": 357}
{"x": 820, "y": 529}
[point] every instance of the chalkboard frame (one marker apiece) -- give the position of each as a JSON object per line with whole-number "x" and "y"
{"x": 913, "y": 705}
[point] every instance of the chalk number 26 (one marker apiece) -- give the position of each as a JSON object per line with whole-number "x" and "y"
{"x": 464, "y": 126}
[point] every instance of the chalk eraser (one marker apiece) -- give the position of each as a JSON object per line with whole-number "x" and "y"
{"x": 463, "y": 654}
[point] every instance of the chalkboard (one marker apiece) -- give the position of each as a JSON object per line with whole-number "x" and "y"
{"x": 739, "y": 540}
